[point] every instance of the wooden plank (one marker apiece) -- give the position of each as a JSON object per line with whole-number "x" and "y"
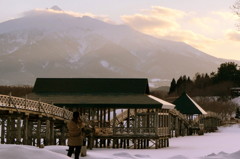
{"x": 39, "y": 123}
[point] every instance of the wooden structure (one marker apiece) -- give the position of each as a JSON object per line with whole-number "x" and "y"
{"x": 188, "y": 107}
{"x": 179, "y": 124}
{"x": 121, "y": 110}
{"x": 235, "y": 92}
{"x": 211, "y": 121}
{"x": 24, "y": 121}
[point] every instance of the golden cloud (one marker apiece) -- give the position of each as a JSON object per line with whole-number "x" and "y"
{"x": 158, "y": 20}
{"x": 204, "y": 32}
{"x": 162, "y": 11}
{"x": 144, "y": 22}
{"x": 168, "y": 24}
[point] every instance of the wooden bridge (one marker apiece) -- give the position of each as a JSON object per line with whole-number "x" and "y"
{"x": 173, "y": 123}
{"x": 30, "y": 122}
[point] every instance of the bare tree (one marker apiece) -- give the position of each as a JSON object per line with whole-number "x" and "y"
{"x": 236, "y": 10}
{"x": 223, "y": 107}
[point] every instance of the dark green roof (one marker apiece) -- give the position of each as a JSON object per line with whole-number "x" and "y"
{"x": 94, "y": 92}
{"x": 186, "y": 105}
{"x": 112, "y": 101}
{"x": 91, "y": 85}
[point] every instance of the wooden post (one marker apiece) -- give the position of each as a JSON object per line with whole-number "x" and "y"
{"x": 156, "y": 143}
{"x": 135, "y": 143}
{"x": 3, "y": 131}
{"x": 52, "y": 133}
{"x": 19, "y": 135}
{"x": 176, "y": 127}
{"x": 157, "y": 122}
{"x": 63, "y": 137}
{"x": 101, "y": 117}
{"x": 8, "y": 130}
{"x": 169, "y": 124}
{"x": 12, "y": 131}
{"x": 25, "y": 130}
{"x": 39, "y": 132}
{"x": 98, "y": 117}
{"x": 48, "y": 133}
{"x": 104, "y": 117}
{"x": 128, "y": 125}
{"x": 135, "y": 123}
{"x": 30, "y": 133}
{"x": 114, "y": 121}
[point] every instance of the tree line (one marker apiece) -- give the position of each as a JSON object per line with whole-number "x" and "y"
{"x": 213, "y": 84}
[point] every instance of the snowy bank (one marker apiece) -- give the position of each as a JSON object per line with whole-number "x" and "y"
{"x": 222, "y": 144}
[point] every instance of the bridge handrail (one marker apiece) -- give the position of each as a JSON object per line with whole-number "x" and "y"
{"x": 179, "y": 115}
{"x": 18, "y": 103}
{"x": 209, "y": 115}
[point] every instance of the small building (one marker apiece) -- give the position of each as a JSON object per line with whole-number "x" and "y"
{"x": 187, "y": 106}
{"x": 121, "y": 110}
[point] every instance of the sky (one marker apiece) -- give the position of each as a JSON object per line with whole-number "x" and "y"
{"x": 218, "y": 145}
{"x": 208, "y": 25}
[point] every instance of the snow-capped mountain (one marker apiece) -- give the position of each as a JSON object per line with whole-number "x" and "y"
{"x": 47, "y": 43}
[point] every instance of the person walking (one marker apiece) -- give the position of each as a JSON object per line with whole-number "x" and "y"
{"x": 75, "y": 135}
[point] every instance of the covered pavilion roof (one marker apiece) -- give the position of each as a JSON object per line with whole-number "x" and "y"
{"x": 97, "y": 92}
{"x": 186, "y": 105}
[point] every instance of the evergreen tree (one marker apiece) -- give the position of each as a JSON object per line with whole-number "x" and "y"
{"x": 172, "y": 87}
{"x": 227, "y": 72}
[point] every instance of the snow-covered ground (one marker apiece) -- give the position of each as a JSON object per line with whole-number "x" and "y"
{"x": 223, "y": 144}
{"x": 236, "y": 100}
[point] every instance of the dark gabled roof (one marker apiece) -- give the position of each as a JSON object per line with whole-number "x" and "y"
{"x": 91, "y": 85}
{"x": 187, "y": 105}
{"x": 96, "y": 92}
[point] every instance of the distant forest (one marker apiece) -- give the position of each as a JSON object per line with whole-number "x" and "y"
{"x": 213, "y": 84}
{"x": 211, "y": 91}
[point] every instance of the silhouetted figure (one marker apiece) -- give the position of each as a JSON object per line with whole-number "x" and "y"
{"x": 75, "y": 135}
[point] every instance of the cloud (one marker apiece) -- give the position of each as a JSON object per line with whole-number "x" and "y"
{"x": 204, "y": 25}
{"x": 144, "y": 22}
{"x": 206, "y": 32}
{"x": 158, "y": 20}
{"x": 190, "y": 37}
{"x": 167, "y": 12}
{"x": 233, "y": 35}
{"x": 70, "y": 13}
{"x": 226, "y": 15}
{"x": 168, "y": 24}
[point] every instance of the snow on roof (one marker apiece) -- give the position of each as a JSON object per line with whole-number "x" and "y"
{"x": 165, "y": 104}
{"x": 186, "y": 105}
{"x": 199, "y": 108}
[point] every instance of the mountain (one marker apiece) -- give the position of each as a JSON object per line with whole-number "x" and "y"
{"x": 48, "y": 43}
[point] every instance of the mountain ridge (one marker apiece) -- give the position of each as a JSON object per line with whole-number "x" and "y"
{"x": 47, "y": 44}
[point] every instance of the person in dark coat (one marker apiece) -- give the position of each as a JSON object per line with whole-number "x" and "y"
{"x": 75, "y": 135}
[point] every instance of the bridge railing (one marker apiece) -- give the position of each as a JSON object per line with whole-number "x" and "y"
{"x": 35, "y": 106}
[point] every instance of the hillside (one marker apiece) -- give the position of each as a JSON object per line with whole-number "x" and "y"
{"x": 43, "y": 43}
